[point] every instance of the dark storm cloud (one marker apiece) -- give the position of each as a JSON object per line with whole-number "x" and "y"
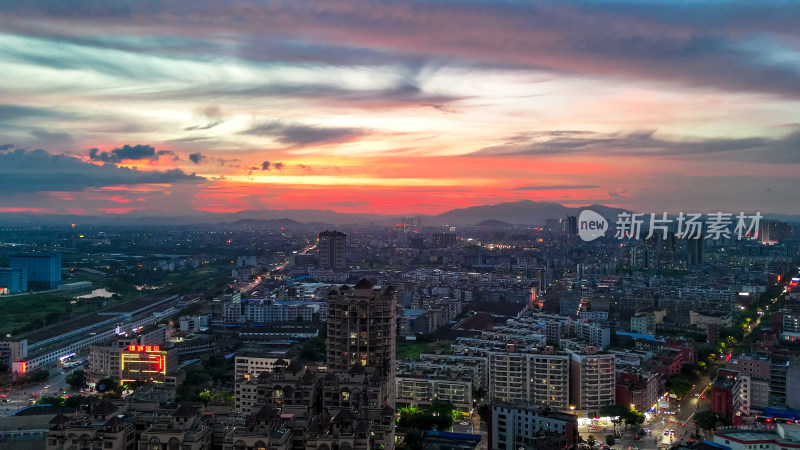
{"x": 196, "y": 158}
{"x": 303, "y": 135}
{"x": 645, "y": 143}
{"x": 38, "y": 170}
{"x": 710, "y": 45}
{"x": 130, "y": 152}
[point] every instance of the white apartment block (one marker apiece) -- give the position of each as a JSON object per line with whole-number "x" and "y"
{"x": 415, "y": 391}
{"x": 593, "y": 381}
{"x": 537, "y": 379}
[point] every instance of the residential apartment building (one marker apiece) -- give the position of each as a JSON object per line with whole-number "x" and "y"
{"x": 537, "y": 379}
{"x": 593, "y": 380}
{"x": 520, "y": 425}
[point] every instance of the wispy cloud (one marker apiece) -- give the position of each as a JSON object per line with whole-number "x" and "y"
{"x": 305, "y": 135}
{"x": 645, "y": 143}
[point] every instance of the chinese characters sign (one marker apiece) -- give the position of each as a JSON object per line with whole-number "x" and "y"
{"x": 686, "y": 225}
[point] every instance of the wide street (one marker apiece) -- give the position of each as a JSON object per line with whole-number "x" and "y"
{"x": 678, "y": 426}
{"x": 21, "y": 396}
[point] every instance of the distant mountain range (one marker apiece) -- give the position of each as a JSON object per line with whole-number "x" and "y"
{"x": 524, "y": 212}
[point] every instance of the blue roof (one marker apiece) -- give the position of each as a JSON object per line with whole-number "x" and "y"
{"x": 649, "y": 337}
{"x": 414, "y": 312}
{"x": 782, "y": 413}
{"x": 447, "y": 434}
{"x": 41, "y": 405}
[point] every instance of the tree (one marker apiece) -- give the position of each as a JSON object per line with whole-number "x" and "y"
{"x": 679, "y": 385}
{"x": 709, "y": 420}
{"x": 616, "y": 412}
{"x": 591, "y": 441}
{"x": 633, "y": 417}
{"x": 413, "y": 440}
{"x": 438, "y": 415}
{"x": 77, "y": 379}
{"x": 610, "y": 440}
{"x": 484, "y": 412}
{"x": 692, "y": 372}
{"x": 109, "y": 387}
{"x": 313, "y": 350}
{"x": 478, "y": 393}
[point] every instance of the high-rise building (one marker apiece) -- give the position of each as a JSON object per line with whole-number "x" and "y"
{"x": 13, "y": 281}
{"x": 694, "y": 249}
{"x": 360, "y": 381}
{"x": 572, "y": 225}
{"x": 332, "y": 248}
{"x": 593, "y": 381}
{"x": 771, "y": 231}
{"x": 43, "y": 269}
{"x": 361, "y": 329}
{"x": 443, "y": 240}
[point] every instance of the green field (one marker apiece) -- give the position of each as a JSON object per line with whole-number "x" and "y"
{"x": 33, "y": 311}
{"x": 412, "y": 349}
{"x": 29, "y": 312}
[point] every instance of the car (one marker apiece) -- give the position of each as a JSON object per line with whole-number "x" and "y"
{"x": 703, "y": 397}
{"x": 666, "y": 432}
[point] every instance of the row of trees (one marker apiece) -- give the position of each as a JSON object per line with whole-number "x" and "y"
{"x": 438, "y": 416}
{"x": 622, "y": 413}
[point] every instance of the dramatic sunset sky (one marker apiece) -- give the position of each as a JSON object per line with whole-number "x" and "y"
{"x": 397, "y": 107}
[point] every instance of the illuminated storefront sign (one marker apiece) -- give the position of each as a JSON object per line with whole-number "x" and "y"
{"x": 144, "y": 348}
{"x": 143, "y": 363}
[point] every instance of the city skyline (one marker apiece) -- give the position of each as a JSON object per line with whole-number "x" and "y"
{"x": 355, "y": 107}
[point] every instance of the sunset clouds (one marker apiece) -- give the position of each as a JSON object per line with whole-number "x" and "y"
{"x": 399, "y": 107}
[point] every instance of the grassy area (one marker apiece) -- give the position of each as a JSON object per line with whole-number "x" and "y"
{"x": 28, "y": 312}
{"x": 32, "y": 311}
{"x": 412, "y": 349}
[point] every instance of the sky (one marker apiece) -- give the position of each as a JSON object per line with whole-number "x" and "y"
{"x": 189, "y": 106}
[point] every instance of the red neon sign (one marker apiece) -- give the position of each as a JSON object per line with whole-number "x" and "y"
{"x": 24, "y": 367}
{"x": 144, "y": 348}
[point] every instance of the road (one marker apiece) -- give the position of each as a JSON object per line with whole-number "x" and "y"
{"x": 678, "y": 426}
{"x": 21, "y": 396}
{"x": 473, "y": 425}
